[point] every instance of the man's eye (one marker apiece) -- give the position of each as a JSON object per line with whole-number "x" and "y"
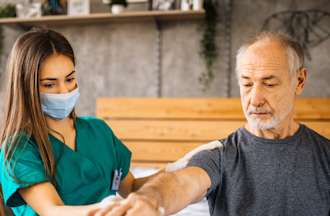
{"x": 270, "y": 85}
{"x": 247, "y": 84}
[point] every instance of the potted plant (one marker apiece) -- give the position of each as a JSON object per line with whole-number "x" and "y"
{"x": 208, "y": 46}
{"x": 8, "y": 10}
{"x": 117, "y": 6}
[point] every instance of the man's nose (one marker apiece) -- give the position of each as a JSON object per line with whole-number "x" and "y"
{"x": 257, "y": 96}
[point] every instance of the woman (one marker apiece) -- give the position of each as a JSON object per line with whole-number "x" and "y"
{"x": 49, "y": 156}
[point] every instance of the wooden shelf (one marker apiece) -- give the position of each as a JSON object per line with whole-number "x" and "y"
{"x": 106, "y": 17}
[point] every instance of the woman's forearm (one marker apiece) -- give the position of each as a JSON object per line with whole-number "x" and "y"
{"x": 71, "y": 210}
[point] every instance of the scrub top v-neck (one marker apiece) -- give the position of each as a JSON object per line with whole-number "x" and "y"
{"x": 83, "y": 175}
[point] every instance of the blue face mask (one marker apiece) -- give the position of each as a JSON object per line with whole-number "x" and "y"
{"x": 59, "y": 106}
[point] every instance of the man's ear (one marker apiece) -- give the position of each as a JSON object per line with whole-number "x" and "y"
{"x": 302, "y": 76}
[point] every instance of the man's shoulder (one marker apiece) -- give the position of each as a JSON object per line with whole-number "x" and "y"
{"x": 315, "y": 137}
{"x": 234, "y": 138}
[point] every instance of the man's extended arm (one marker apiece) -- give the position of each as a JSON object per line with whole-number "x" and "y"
{"x": 169, "y": 191}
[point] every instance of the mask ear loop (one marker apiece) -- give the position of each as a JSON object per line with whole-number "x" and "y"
{"x": 73, "y": 112}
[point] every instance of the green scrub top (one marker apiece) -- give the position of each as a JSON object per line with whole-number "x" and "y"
{"x": 83, "y": 176}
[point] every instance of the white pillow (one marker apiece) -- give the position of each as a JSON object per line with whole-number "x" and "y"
{"x": 182, "y": 162}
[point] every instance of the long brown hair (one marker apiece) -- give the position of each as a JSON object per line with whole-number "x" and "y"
{"x": 22, "y": 108}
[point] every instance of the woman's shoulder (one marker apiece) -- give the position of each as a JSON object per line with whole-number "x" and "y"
{"x": 24, "y": 147}
{"x": 22, "y": 140}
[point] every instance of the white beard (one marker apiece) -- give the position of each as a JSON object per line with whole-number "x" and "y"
{"x": 261, "y": 124}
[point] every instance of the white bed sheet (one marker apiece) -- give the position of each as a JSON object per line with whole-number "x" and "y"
{"x": 198, "y": 209}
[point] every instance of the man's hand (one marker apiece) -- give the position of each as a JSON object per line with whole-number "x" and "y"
{"x": 133, "y": 205}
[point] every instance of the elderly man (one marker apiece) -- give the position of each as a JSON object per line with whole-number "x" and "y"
{"x": 271, "y": 166}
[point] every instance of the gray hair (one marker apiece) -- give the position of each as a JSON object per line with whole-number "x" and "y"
{"x": 295, "y": 52}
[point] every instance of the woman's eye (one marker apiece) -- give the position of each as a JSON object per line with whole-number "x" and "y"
{"x": 70, "y": 79}
{"x": 48, "y": 85}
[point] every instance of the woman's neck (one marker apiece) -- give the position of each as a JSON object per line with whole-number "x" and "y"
{"x": 60, "y": 126}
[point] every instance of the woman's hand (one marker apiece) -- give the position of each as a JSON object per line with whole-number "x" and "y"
{"x": 133, "y": 205}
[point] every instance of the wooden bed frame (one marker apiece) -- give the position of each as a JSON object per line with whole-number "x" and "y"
{"x": 161, "y": 130}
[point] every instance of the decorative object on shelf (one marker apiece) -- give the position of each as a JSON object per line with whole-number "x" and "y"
{"x": 185, "y": 5}
{"x": 8, "y": 10}
{"x": 308, "y": 27}
{"x": 163, "y": 4}
{"x": 191, "y": 5}
{"x": 150, "y": 4}
{"x": 138, "y": 5}
{"x": 116, "y": 6}
{"x": 28, "y": 9}
{"x": 209, "y": 49}
{"x": 106, "y": 2}
{"x": 78, "y": 7}
{"x": 197, "y": 4}
{"x": 54, "y": 7}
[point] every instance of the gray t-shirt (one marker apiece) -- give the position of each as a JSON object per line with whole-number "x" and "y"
{"x": 256, "y": 176}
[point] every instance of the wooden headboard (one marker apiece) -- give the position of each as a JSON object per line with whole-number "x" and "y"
{"x": 161, "y": 130}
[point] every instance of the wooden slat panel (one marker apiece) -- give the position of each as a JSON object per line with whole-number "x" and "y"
{"x": 188, "y": 130}
{"x": 312, "y": 109}
{"x": 322, "y": 128}
{"x": 169, "y": 108}
{"x": 197, "y": 108}
{"x": 173, "y": 130}
{"x": 159, "y": 151}
{"x": 156, "y": 154}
